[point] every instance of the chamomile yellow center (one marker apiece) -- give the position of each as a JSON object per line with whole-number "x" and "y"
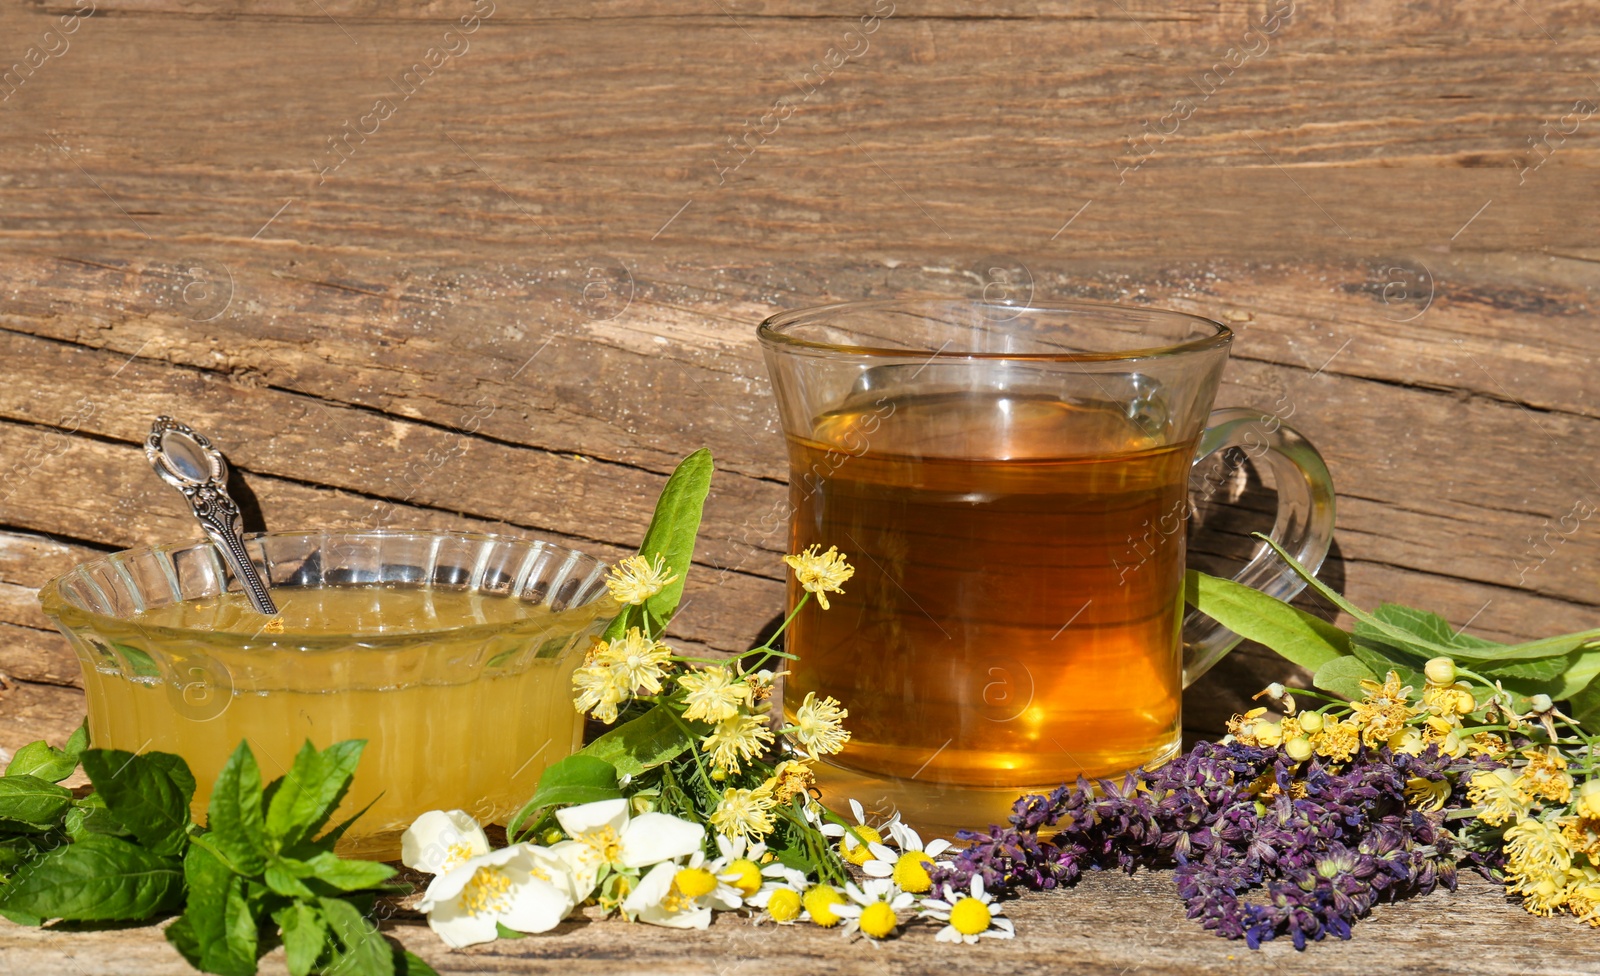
{"x": 911, "y": 872}
{"x": 694, "y": 882}
{"x": 855, "y": 853}
{"x": 784, "y": 905}
{"x": 969, "y": 916}
{"x": 489, "y": 891}
{"x": 819, "y": 901}
{"x": 878, "y": 920}
{"x": 745, "y": 875}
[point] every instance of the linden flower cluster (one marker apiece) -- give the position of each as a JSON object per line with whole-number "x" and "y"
{"x": 1524, "y": 780}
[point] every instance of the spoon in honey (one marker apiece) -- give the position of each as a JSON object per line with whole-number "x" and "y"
{"x": 187, "y": 461}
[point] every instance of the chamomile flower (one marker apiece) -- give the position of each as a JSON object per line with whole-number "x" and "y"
{"x": 874, "y": 908}
{"x": 821, "y": 573}
{"x": 680, "y": 896}
{"x": 818, "y": 725}
{"x": 737, "y": 739}
{"x": 744, "y": 813}
{"x": 739, "y": 864}
{"x": 968, "y": 916}
{"x": 853, "y": 841}
{"x": 908, "y": 867}
{"x": 782, "y": 895}
{"x": 438, "y": 842}
{"x": 713, "y": 694}
{"x": 821, "y": 903}
{"x": 636, "y": 579}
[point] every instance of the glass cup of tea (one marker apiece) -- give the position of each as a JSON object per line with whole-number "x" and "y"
{"x": 1013, "y": 486}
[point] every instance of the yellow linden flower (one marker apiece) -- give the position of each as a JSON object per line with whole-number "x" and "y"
{"x": 1452, "y": 699}
{"x": 597, "y": 691}
{"x": 817, "y": 725}
{"x": 822, "y": 573}
{"x": 1535, "y": 848}
{"x": 1267, "y": 733}
{"x": 1427, "y": 794}
{"x": 1582, "y": 835}
{"x": 639, "y": 662}
{"x": 1242, "y": 727}
{"x": 636, "y": 579}
{"x": 792, "y": 778}
{"x": 744, "y": 813}
{"x": 1336, "y": 741}
{"x": 1384, "y": 709}
{"x": 713, "y": 694}
{"x": 1583, "y": 894}
{"x": 735, "y": 739}
{"x": 1494, "y": 792}
{"x": 1588, "y": 805}
{"x": 1545, "y": 776}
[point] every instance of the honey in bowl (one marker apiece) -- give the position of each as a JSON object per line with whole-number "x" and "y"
{"x": 462, "y": 690}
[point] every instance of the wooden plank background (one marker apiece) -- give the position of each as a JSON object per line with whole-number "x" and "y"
{"x": 416, "y": 269}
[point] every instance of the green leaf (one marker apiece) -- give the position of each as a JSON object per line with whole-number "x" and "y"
{"x": 1467, "y": 653}
{"x": 364, "y": 952}
{"x": 575, "y": 779}
{"x": 1304, "y": 639}
{"x": 20, "y": 917}
{"x": 503, "y": 932}
{"x": 1343, "y": 676}
{"x": 348, "y": 875}
{"x": 42, "y": 760}
{"x": 218, "y": 933}
{"x": 671, "y": 535}
{"x": 29, "y": 804}
{"x": 15, "y": 851}
{"x": 408, "y": 963}
{"x": 285, "y": 876}
{"x": 1428, "y": 626}
{"x": 643, "y": 743}
{"x": 304, "y": 936}
{"x": 307, "y": 795}
{"x": 1584, "y": 705}
{"x": 235, "y": 817}
{"x": 141, "y": 793}
{"x": 90, "y": 816}
{"x": 97, "y": 879}
{"x": 77, "y": 741}
{"x": 1540, "y": 669}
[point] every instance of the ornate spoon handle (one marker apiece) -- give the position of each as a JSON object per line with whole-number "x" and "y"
{"x": 187, "y": 461}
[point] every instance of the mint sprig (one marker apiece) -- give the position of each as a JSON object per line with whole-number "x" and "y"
{"x": 255, "y": 874}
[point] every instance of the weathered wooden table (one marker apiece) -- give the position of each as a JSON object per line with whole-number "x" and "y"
{"x": 496, "y": 265}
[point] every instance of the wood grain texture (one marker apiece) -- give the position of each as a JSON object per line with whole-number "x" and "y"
{"x": 516, "y": 299}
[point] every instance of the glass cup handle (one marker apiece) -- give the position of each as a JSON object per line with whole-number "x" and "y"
{"x": 1304, "y": 525}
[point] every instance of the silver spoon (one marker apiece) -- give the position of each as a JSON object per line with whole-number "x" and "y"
{"x": 186, "y": 460}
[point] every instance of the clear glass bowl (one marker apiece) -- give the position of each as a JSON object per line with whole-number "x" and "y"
{"x": 450, "y": 653}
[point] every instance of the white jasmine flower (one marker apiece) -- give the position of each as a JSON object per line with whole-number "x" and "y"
{"x": 439, "y": 841}
{"x": 603, "y": 834}
{"x": 516, "y": 887}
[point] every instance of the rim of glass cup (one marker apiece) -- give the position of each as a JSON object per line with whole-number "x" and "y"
{"x": 771, "y": 330}
{"x": 56, "y": 604}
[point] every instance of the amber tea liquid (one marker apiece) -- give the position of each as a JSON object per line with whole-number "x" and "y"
{"x": 1015, "y": 615}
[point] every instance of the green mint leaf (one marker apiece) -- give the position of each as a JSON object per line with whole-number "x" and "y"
{"x": 1343, "y": 676}
{"x": 218, "y": 933}
{"x": 285, "y": 876}
{"x": 176, "y": 769}
{"x": 143, "y": 795}
{"x": 643, "y": 743}
{"x": 16, "y": 851}
{"x": 90, "y": 816}
{"x": 20, "y": 918}
{"x": 408, "y": 963}
{"x": 305, "y": 798}
{"x": 1304, "y": 639}
{"x": 671, "y": 535}
{"x": 77, "y": 741}
{"x": 364, "y": 951}
{"x": 30, "y": 805}
{"x": 42, "y": 760}
{"x": 575, "y": 779}
{"x": 97, "y": 879}
{"x": 304, "y": 936}
{"x": 348, "y": 875}
{"x": 235, "y": 817}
